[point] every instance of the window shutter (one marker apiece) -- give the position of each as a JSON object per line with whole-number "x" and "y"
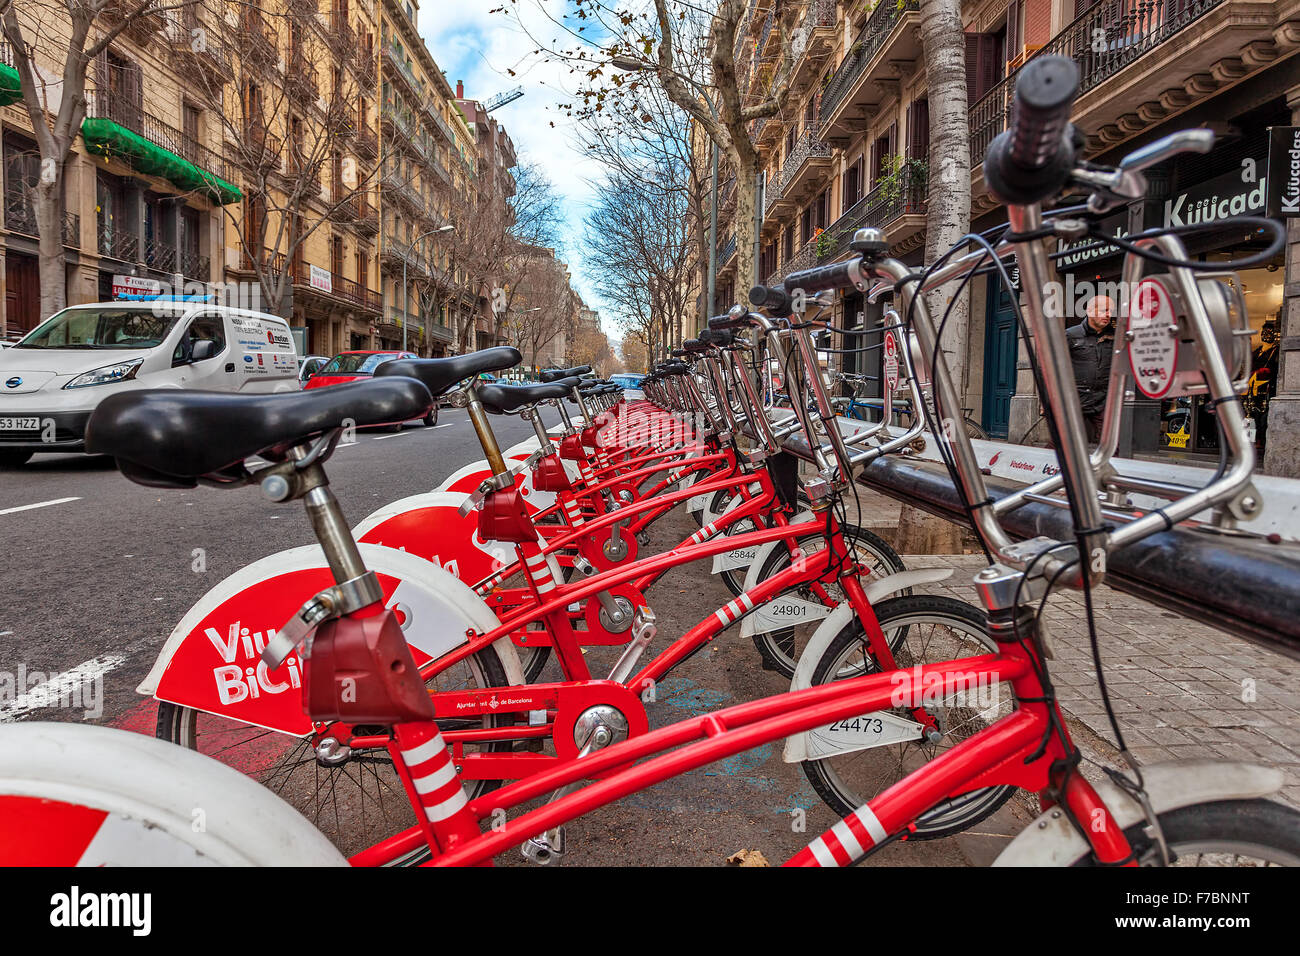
{"x": 1013, "y": 29}
{"x": 918, "y": 127}
{"x": 972, "y": 65}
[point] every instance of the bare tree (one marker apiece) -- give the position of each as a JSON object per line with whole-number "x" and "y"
{"x": 70, "y": 34}
{"x": 691, "y": 53}
{"x": 542, "y": 306}
{"x": 639, "y": 246}
{"x": 294, "y": 135}
{"x": 635, "y": 355}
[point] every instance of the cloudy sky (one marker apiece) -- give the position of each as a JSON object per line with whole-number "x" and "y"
{"x": 472, "y": 44}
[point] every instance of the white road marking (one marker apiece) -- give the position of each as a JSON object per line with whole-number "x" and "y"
{"x": 39, "y": 504}
{"x": 394, "y": 435}
{"x": 60, "y": 687}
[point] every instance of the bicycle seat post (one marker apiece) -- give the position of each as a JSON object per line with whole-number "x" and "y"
{"x": 483, "y": 429}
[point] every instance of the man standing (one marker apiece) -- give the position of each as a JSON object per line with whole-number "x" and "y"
{"x": 1092, "y": 344}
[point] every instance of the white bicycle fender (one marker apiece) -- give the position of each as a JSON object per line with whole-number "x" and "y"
{"x": 796, "y": 747}
{"x": 255, "y": 601}
{"x": 150, "y": 790}
{"x": 1052, "y": 840}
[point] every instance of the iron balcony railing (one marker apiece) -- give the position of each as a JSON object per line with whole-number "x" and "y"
{"x": 772, "y": 193}
{"x": 101, "y": 104}
{"x": 120, "y": 244}
{"x": 808, "y": 146}
{"x": 869, "y": 40}
{"x": 1103, "y": 40}
{"x": 726, "y": 249}
{"x": 164, "y": 256}
{"x": 885, "y": 204}
{"x": 20, "y": 216}
{"x": 403, "y": 71}
{"x": 341, "y": 287}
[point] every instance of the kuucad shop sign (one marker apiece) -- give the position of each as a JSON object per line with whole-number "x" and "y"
{"x": 1284, "y": 171}
{"x": 1242, "y": 192}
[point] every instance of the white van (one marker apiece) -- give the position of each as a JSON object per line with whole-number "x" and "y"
{"x": 52, "y": 378}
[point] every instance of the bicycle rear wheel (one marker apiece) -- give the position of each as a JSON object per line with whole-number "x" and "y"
{"x": 938, "y": 629}
{"x": 355, "y": 803}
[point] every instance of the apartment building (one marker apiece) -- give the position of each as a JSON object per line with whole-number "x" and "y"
{"x": 852, "y": 151}
{"x": 496, "y": 158}
{"x": 147, "y": 186}
{"x": 301, "y": 123}
{"x": 427, "y": 151}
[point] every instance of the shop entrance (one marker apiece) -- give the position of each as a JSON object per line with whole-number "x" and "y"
{"x": 22, "y": 295}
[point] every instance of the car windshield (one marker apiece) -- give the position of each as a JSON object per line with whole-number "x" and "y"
{"x": 356, "y": 363}
{"x": 114, "y": 328}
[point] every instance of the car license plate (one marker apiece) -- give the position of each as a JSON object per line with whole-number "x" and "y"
{"x": 20, "y": 424}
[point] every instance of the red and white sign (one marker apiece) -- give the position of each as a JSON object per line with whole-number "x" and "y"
{"x": 135, "y": 285}
{"x": 321, "y": 279}
{"x": 891, "y": 362}
{"x": 1153, "y": 348}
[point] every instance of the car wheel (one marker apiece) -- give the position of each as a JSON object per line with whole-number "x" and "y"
{"x": 431, "y": 419}
{"x": 395, "y": 427}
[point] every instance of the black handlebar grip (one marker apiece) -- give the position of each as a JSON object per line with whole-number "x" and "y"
{"x": 837, "y": 275}
{"x": 775, "y": 301}
{"x": 735, "y": 319}
{"x": 694, "y": 345}
{"x": 676, "y": 353}
{"x": 1040, "y": 112}
{"x": 718, "y": 338}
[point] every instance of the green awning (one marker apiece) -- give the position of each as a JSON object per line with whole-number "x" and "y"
{"x": 11, "y": 90}
{"x": 110, "y": 139}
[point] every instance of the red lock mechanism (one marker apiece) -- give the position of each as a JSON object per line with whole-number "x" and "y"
{"x": 571, "y": 448}
{"x": 361, "y": 671}
{"x": 503, "y": 517}
{"x": 549, "y": 475}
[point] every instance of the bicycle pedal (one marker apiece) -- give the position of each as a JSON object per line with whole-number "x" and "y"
{"x": 544, "y": 851}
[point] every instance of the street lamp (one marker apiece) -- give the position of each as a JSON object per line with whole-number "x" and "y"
{"x": 406, "y": 292}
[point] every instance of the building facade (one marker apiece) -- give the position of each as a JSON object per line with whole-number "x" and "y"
{"x": 851, "y": 150}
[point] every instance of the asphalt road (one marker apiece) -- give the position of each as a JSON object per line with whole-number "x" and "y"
{"x": 97, "y": 575}
{"x": 101, "y": 577}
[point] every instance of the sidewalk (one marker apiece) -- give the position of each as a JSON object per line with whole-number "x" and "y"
{"x": 1180, "y": 689}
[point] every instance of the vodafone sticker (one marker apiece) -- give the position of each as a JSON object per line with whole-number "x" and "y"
{"x": 891, "y": 362}
{"x": 1153, "y": 349}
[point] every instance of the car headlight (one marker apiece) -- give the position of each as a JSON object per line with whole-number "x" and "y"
{"x": 120, "y": 372}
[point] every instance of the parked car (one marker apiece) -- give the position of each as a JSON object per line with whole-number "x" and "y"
{"x": 309, "y": 365}
{"x": 55, "y": 376}
{"x": 357, "y": 367}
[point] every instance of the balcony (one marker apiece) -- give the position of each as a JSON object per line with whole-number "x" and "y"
{"x": 119, "y": 244}
{"x": 341, "y": 36}
{"x": 303, "y": 9}
{"x": 405, "y": 193}
{"x": 341, "y": 120}
{"x": 726, "y": 252}
{"x": 366, "y": 143}
{"x": 395, "y": 254}
{"x": 367, "y": 218}
{"x": 11, "y": 90}
{"x": 345, "y": 210}
{"x": 889, "y": 37}
{"x": 141, "y": 28}
{"x": 257, "y": 40}
{"x": 817, "y": 36}
{"x": 806, "y": 165}
{"x": 1130, "y": 30}
{"x": 206, "y": 64}
{"x": 364, "y": 66}
{"x": 398, "y": 69}
{"x": 165, "y": 257}
{"x": 300, "y": 82}
{"x": 340, "y": 288}
{"x": 775, "y": 201}
{"x": 440, "y": 124}
{"x": 118, "y": 127}
{"x": 896, "y": 206}
{"x": 20, "y": 216}
{"x": 260, "y": 149}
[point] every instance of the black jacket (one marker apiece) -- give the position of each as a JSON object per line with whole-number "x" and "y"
{"x": 1090, "y": 354}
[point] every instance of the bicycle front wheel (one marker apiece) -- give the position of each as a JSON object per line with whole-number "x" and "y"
{"x": 1220, "y": 833}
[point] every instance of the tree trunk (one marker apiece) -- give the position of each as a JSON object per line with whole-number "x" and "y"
{"x": 947, "y": 220}
{"x": 49, "y": 226}
{"x": 743, "y": 224}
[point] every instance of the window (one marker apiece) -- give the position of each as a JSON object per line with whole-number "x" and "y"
{"x": 336, "y": 255}
{"x": 204, "y": 328}
{"x": 789, "y": 244}
{"x": 853, "y": 184}
{"x": 918, "y": 129}
{"x": 985, "y": 62}
{"x": 190, "y": 119}
{"x": 806, "y": 224}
